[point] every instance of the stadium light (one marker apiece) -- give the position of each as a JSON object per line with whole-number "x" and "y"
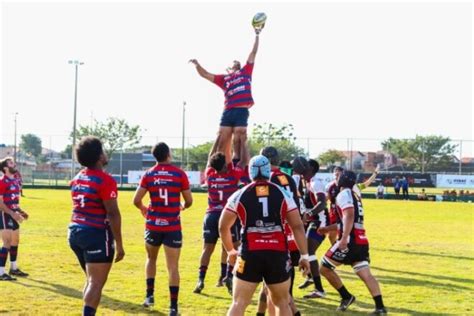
{"x": 76, "y": 64}
{"x": 182, "y": 140}
{"x": 14, "y": 146}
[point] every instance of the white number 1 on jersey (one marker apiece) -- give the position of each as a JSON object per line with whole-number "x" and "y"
{"x": 264, "y": 202}
{"x": 164, "y": 195}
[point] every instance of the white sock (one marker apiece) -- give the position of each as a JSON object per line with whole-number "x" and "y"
{"x": 13, "y": 265}
{"x": 2, "y": 270}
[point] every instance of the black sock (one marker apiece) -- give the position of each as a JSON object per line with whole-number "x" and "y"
{"x": 298, "y": 313}
{"x": 260, "y": 314}
{"x": 223, "y": 270}
{"x": 344, "y": 292}
{"x": 378, "y": 302}
{"x": 202, "y": 272}
{"x": 150, "y": 287}
{"x": 317, "y": 283}
{"x": 174, "y": 290}
{"x": 88, "y": 311}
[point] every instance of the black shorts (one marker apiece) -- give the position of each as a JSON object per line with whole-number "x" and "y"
{"x": 355, "y": 254}
{"x": 273, "y": 267}
{"x": 235, "y": 117}
{"x": 312, "y": 232}
{"x": 295, "y": 258}
{"x": 171, "y": 239}
{"x": 7, "y": 222}
{"x": 91, "y": 245}
{"x": 210, "y": 229}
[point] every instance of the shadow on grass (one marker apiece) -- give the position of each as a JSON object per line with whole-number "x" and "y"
{"x": 440, "y": 277}
{"x": 106, "y": 301}
{"x": 417, "y": 253}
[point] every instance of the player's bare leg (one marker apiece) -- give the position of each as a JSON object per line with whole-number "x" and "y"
{"x": 15, "y": 241}
{"x": 224, "y": 139}
{"x": 240, "y": 133}
{"x": 242, "y": 293}
{"x": 318, "y": 292}
{"x": 6, "y": 243}
{"x": 220, "y": 282}
{"x": 150, "y": 273}
{"x": 97, "y": 274}
{"x": 332, "y": 235}
{"x": 280, "y": 297}
{"x": 262, "y": 301}
{"x": 336, "y": 282}
{"x": 362, "y": 269}
{"x": 172, "y": 263}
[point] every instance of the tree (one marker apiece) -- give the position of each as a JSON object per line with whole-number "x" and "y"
{"x": 66, "y": 153}
{"x": 330, "y": 157}
{"x": 114, "y": 133}
{"x": 280, "y": 137}
{"x": 31, "y": 144}
{"x": 423, "y": 152}
{"x": 195, "y": 156}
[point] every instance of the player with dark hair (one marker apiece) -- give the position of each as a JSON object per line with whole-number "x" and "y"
{"x": 316, "y": 215}
{"x": 286, "y": 182}
{"x": 222, "y": 181}
{"x": 262, "y": 207}
{"x": 10, "y": 216}
{"x": 352, "y": 246}
{"x": 236, "y": 85}
{"x": 96, "y": 220}
{"x": 164, "y": 183}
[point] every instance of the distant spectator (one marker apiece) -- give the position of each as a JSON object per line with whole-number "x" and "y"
{"x": 404, "y": 184}
{"x": 422, "y": 196}
{"x": 396, "y": 186}
{"x": 380, "y": 191}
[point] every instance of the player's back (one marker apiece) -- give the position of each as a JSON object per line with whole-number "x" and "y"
{"x": 164, "y": 183}
{"x": 220, "y": 186}
{"x": 262, "y": 207}
{"x": 89, "y": 189}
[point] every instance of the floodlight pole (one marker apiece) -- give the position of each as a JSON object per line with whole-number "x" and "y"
{"x": 76, "y": 64}
{"x": 14, "y": 146}
{"x": 184, "y": 133}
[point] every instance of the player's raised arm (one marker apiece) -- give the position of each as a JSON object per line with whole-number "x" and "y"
{"x": 213, "y": 150}
{"x": 253, "y": 53}
{"x": 201, "y": 71}
{"x": 369, "y": 181}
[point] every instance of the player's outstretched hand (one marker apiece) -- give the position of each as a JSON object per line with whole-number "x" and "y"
{"x": 120, "y": 253}
{"x": 194, "y": 61}
{"x": 304, "y": 266}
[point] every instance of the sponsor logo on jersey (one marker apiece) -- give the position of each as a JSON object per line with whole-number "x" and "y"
{"x": 262, "y": 190}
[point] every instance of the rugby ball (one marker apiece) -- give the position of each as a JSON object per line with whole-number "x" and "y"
{"x": 259, "y": 20}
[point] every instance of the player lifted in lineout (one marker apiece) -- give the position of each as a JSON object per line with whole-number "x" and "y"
{"x": 237, "y": 87}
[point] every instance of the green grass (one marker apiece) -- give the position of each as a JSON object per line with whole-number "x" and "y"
{"x": 422, "y": 254}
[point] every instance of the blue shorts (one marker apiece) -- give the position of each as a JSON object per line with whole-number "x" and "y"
{"x": 210, "y": 229}
{"x": 170, "y": 239}
{"x": 91, "y": 245}
{"x": 235, "y": 117}
{"x": 7, "y": 222}
{"x": 312, "y": 232}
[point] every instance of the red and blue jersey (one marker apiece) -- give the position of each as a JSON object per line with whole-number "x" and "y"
{"x": 237, "y": 87}
{"x": 164, "y": 182}
{"x": 221, "y": 186}
{"x": 10, "y": 191}
{"x": 89, "y": 189}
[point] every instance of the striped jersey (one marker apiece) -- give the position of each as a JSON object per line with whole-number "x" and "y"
{"x": 164, "y": 183}
{"x": 221, "y": 186}
{"x": 262, "y": 207}
{"x": 10, "y": 191}
{"x": 237, "y": 87}
{"x": 89, "y": 189}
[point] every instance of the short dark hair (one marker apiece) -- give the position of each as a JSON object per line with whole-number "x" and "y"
{"x": 338, "y": 168}
{"x": 217, "y": 161}
{"x": 285, "y": 164}
{"x": 160, "y": 151}
{"x": 88, "y": 151}
{"x": 4, "y": 163}
{"x": 313, "y": 165}
{"x": 272, "y": 154}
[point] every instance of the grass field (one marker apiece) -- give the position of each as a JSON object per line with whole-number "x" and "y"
{"x": 422, "y": 253}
